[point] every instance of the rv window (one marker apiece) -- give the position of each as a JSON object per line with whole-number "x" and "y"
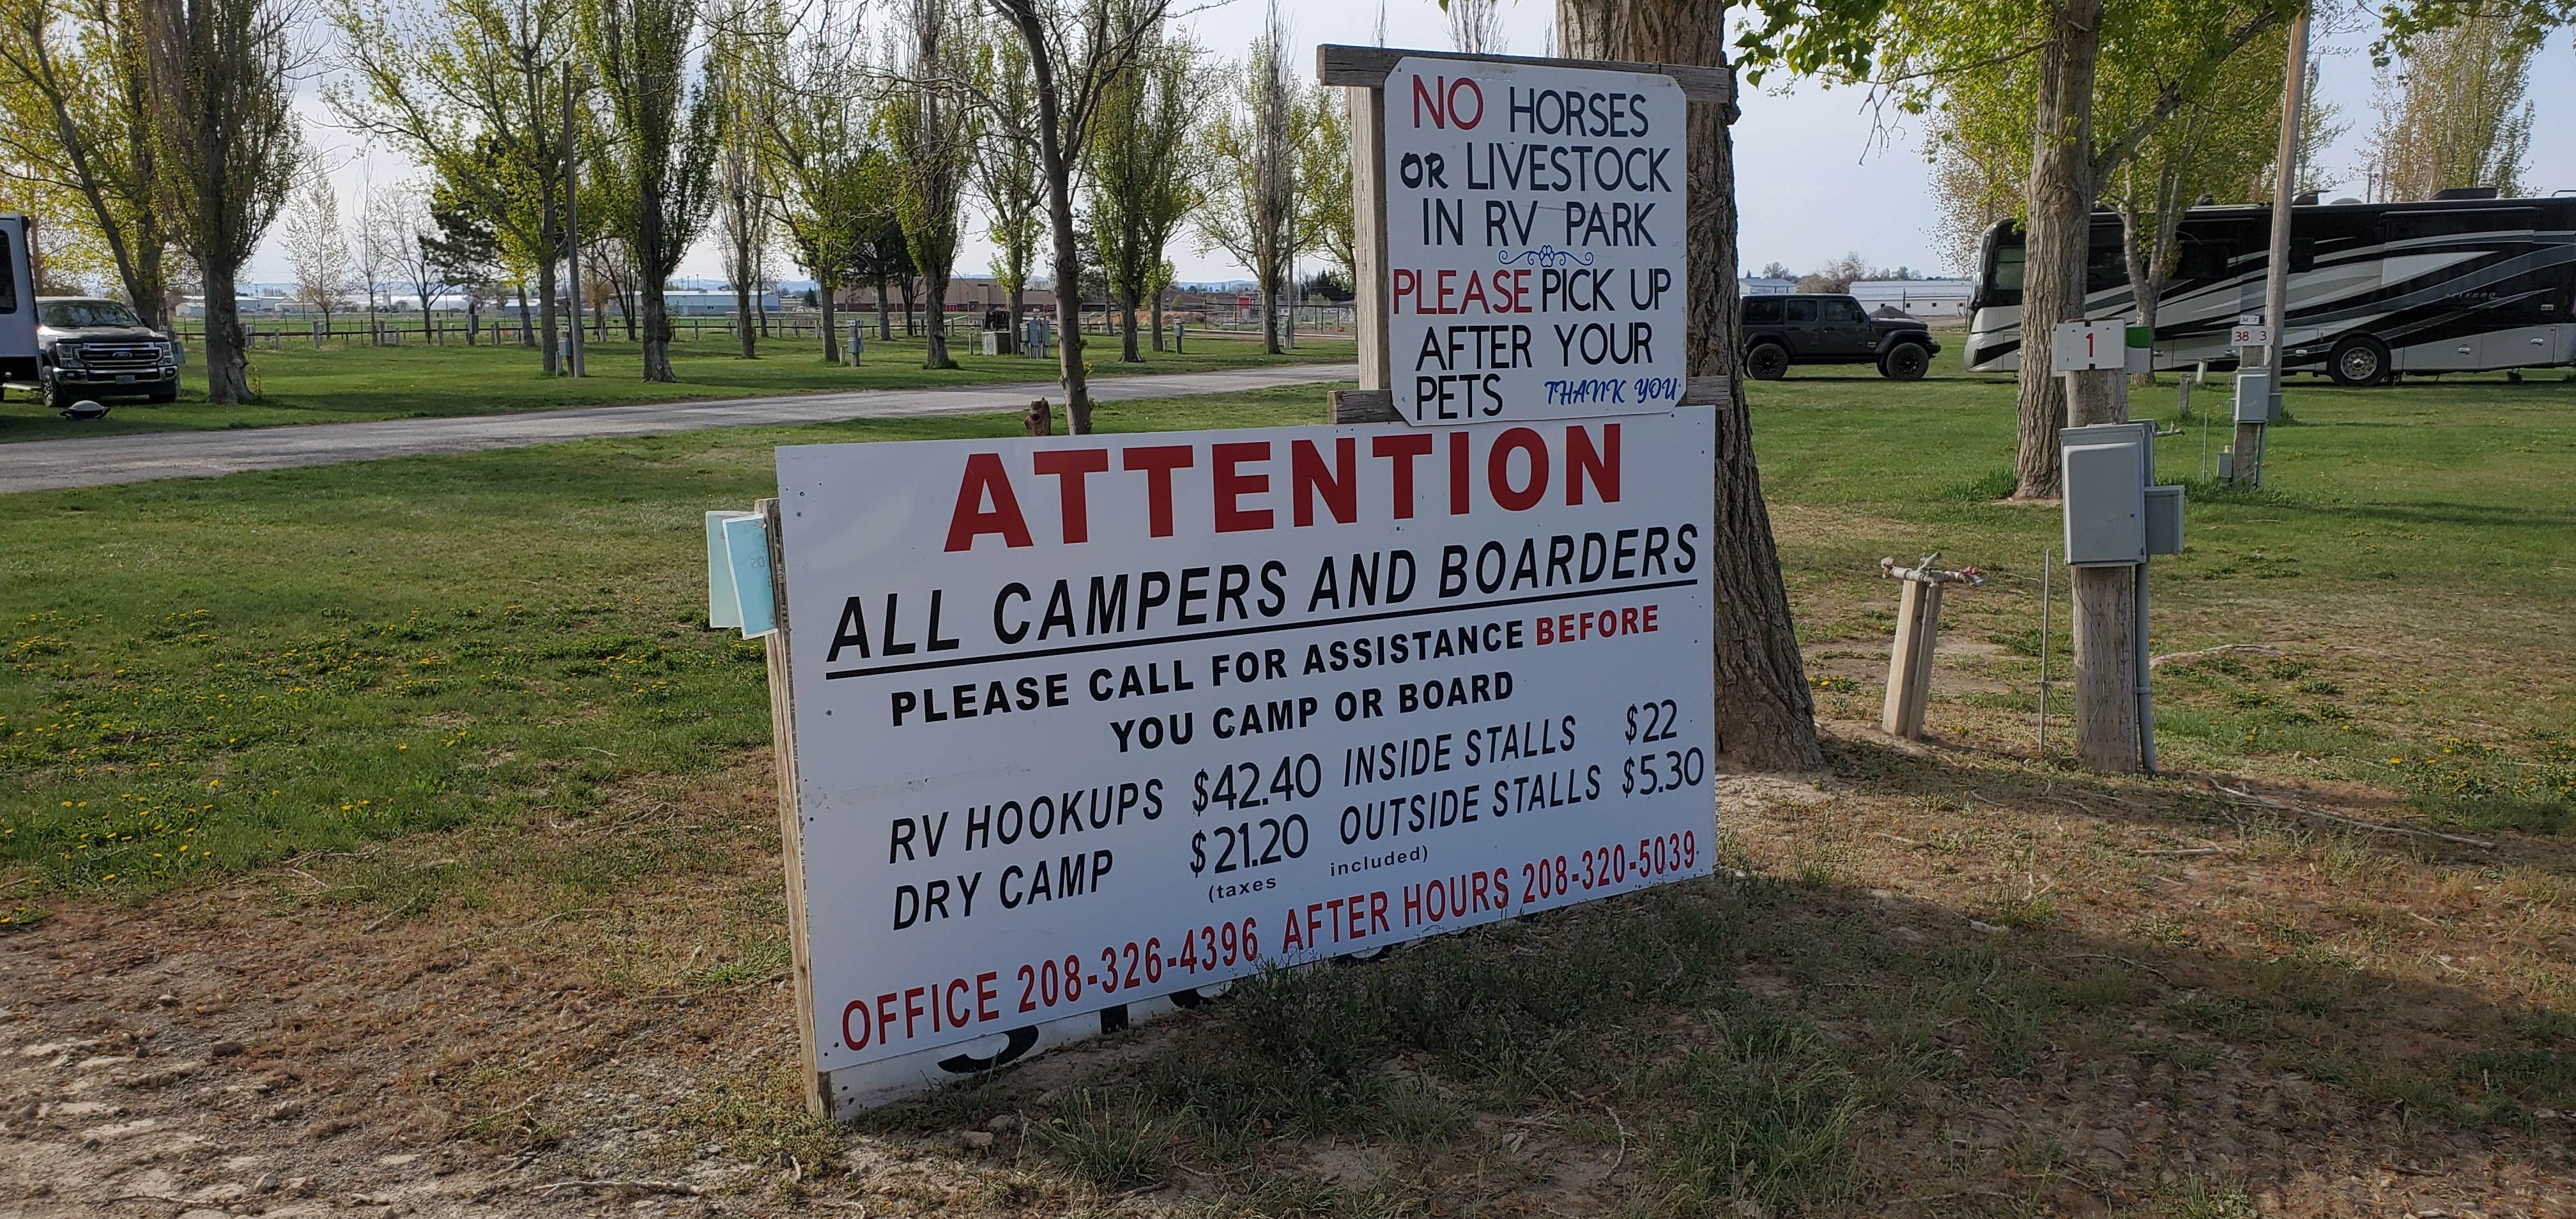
{"x": 2107, "y": 270}
{"x": 2401, "y": 226}
{"x": 1761, "y": 310}
{"x": 1802, "y": 310}
{"x": 2008, "y": 266}
{"x": 8, "y": 275}
{"x": 2200, "y": 259}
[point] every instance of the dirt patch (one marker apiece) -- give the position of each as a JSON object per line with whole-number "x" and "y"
{"x": 2044, "y": 993}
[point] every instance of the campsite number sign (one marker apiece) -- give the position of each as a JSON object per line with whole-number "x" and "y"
{"x": 1534, "y": 229}
{"x": 1091, "y": 721}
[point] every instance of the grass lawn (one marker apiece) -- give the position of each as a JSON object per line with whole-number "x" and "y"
{"x": 448, "y": 726}
{"x": 347, "y": 382}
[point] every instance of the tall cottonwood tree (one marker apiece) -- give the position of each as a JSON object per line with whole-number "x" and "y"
{"x": 400, "y": 220}
{"x": 738, "y": 76}
{"x": 932, "y": 131}
{"x": 1765, "y": 713}
{"x": 1914, "y": 48}
{"x": 1252, "y": 210}
{"x": 661, "y": 129}
{"x": 1141, "y": 176}
{"x": 2455, "y": 111}
{"x": 1076, "y": 48}
{"x": 75, "y": 115}
{"x": 831, "y": 184}
{"x": 1006, "y": 166}
{"x": 474, "y": 91}
{"x": 1324, "y": 176}
{"x": 2218, "y": 141}
{"x": 316, "y": 245}
{"x": 230, "y": 148}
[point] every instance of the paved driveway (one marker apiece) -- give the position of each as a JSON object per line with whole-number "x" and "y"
{"x": 42, "y": 465}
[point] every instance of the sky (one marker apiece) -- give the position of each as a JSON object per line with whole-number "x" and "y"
{"x": 1817, "y": 174}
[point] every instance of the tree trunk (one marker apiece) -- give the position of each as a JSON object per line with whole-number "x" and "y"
{"x": 1127, "y": 329}
{"x": 1068, "y": 299}
{"x": 1269, "y": 321}
{"x": 1765, "y": 713}
{"x": 227, "y": 366}
{"x": 526, "y": 337}
{"x": 823, "y": 293}
{"x": 1019, "y": 315}
{"x": 150, "y": 288}
{"x": 742, "y": 315}
{"x": 546, "y": 310}
{"x": 657, "y": 335}
{"x": 1158, "y": 321}
{"x": 885, "y": 324}
{"x": 910, "y": 304}
{"x": 2061, "y": 223}
{"x": 934, "y": 322}
{"x": 2144, "y": 283}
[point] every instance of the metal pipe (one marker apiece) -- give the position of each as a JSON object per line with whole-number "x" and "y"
{"x": 2047, "y": 561}
{"x": 2146, "y": 694}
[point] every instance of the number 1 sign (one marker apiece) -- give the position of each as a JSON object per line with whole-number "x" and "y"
{"x": 2086, "y": 346}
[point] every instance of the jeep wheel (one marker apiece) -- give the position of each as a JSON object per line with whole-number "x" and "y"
{"x": 1767, "y": 362}
{"x": 2359, "y": 360}
{"x": 1904, "y": 362}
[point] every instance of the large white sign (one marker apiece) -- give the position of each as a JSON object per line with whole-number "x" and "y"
{"x": 1534, "y": 226}
{"x": 1093, "y": 721}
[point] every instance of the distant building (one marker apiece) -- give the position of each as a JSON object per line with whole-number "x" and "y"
{"x": 1930, "y": 300}
{"x": 1754, "y": 285}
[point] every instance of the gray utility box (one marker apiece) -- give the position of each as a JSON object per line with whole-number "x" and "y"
{"x": 2255, "y": 401}
{"x": 2114, "y": 514}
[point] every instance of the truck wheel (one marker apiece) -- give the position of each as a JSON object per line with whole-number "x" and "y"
{"x": 2358, "y": 360}
{"x": 163, "y": 395}
{"x": 1904, "y": 362}
{"x": 1767, "y": 362}
{"x": 49, "y": 391}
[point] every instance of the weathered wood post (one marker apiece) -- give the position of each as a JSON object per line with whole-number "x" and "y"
{"x": 2106, "y": 621}
{"x": 1918, "y": 626}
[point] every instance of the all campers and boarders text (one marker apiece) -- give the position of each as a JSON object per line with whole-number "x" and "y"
{"x": 1563, "y": 177}
{"x": 1254, "y": 487}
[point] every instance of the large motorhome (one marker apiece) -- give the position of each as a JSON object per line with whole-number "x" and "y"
{"x": 2375, "y": 290}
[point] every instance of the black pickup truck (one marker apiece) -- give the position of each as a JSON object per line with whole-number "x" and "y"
{"x": 1783, "y": 330}
{"x": 92, "y": 348}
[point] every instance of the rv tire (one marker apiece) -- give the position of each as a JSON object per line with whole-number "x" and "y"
{"x": 2359, "y": 360}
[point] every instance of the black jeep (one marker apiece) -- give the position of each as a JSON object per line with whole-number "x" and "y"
{"x": 1783, "y": 330}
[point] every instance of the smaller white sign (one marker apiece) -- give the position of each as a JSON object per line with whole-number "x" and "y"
{"x": 2085, "y": 346}
{"x": 2250, "y": 336}
{"x": 1536, "y": 240}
